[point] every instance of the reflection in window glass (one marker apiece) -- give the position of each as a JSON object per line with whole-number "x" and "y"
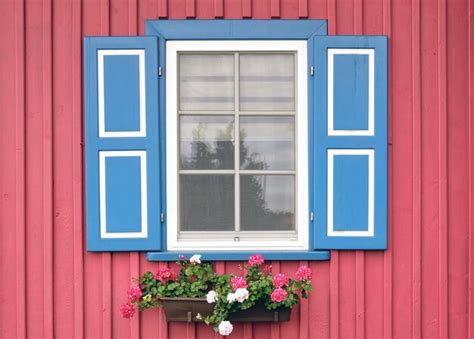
{"x": 267, "y": 142}
{"x": 267, "y": 202}
{"x": 206, "y": 82}
{"x": 267, "y": 82}
{"x": 206, "y": 142}
{"x": 207, "y": 202}
{"x": 253, "y": 189}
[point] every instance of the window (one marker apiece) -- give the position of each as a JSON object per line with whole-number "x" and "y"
{"x": 230, "y": 137}
{"x": 237, "y": 145}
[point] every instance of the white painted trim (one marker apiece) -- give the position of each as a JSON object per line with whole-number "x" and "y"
{"x": 302, "y": 221}
{"x": 331, "y": 232}
{"x": 143, "y": 195}
{"x": 101, "y": 93}
{"x": 371, "y": 104}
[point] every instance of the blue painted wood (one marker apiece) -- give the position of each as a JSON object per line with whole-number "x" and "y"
{"x": 324, "y": 142}
{"x": 122, "y": 105}
{"x": 235, "y": 30}
{"x": 241, "y": 255}
{"x": 122, "y": 175}
{"x": 123, "y": 199}
{"x": 351, "y": 192}
{"x": 351, "y": 94}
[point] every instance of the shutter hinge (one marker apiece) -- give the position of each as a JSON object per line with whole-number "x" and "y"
{"x": 162, "y": 217}
{"x": 311, "y": 70}
{"x": 311, "y": 216}
{"x": 160, "y": 71}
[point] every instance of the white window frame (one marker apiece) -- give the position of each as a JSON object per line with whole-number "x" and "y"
{"x": 219, "y": 243}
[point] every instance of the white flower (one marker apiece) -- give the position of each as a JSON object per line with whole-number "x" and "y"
{"x": 211, "y": 297}
{"x": 195, "y": 259}
{"x": 241, "y": 294}
{"x": 231, "y": 297}
{"x": 225, "y": 328}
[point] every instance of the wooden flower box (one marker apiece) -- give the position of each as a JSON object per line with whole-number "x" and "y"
{"x": 187, "y": 309}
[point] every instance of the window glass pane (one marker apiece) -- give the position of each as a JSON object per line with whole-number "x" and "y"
{"x": 267, "y": 202}
{"x": 207, "y": 202}
{"x": 267, "y": 82}
{"x": 267, "y": 142}
{"x": 206, "y": 142}
{"x": 206, "y": 82}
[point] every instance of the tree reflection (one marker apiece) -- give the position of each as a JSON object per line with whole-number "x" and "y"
{"x": 210, "y": 204}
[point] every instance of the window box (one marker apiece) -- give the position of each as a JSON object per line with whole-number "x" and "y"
{"x": 187, "y": 310}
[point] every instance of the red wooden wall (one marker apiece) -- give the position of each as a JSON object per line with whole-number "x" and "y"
{"x": 422, "y": 286}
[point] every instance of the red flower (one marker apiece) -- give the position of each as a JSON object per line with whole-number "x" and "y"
{"x": 166, "y": 274}
{"x": 238, "y": 282}
{"x": 303, "y": 273}
{"x": 280, "y": 280}
{"x": 256, "y": 259}
{"x": 134, "y": 293}
{"x": 278, "y": 295}
{"x": 127, "y": 310}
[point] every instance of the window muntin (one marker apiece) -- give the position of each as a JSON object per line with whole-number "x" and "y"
{"x": 240, "y": 129}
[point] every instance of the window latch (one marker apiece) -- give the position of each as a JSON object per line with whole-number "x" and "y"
{"x": 311, "y": 216}
{"x": 311, "y": 70}
{"x": 162, "y": 217}
{"x": 160, "y": 71}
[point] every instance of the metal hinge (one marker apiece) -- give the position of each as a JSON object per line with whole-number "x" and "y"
{"x": 162, "y": 217}
{"x": 311, "y": 216}
{"x": 160, "y": 71}
{"x": 311, "y": 70}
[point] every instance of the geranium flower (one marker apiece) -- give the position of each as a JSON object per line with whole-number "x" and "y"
{"x": 166, "y": 274}
{"x": 195, "y": 259}
{"x": 127, "y": 310}
{"x": 303, "y": 273}
{"x": 212, "y": 297}
{"x": 256, "y": 259}
{"x": 231, "y": 297}
{"x": 280, "y": 280}
{"x": 225, "y": 328}
{"x": 278, "y": 295}
{"x": 241, "y": 294}
{"x": 238, "y": 282}
{"x": 134, "y": 293}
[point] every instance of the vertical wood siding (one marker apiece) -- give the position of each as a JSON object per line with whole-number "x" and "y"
{"x": 422, "y": 286}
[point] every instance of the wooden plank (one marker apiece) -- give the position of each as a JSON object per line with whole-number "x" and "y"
{"x": 388, "y": 262}
{"x": 246, "y": 8}
{"x": 470, "y": 301}
{"x": 275, "y": 8}
{"x": 20, "y": 169}
{"x": 443, "y": 172}
{"x": 303, "y": 9}
{"x": 190, "y": 8}
{"x": 218, "y": 9}
{"x": 416, "y": 189}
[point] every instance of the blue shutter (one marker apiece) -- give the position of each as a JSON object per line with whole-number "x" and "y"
{"x": 121, "y": 144}
{"x": 350, "y": 159}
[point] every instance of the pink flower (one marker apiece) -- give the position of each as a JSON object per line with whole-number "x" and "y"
{"x": 280, "y": 280}
{"x": 278, "y": 295}
{"x": 127, "y": 310}
{"x": 303, "y": 273}
{"x": 267, "y": 269}
{"x": 134, "y": 293}
{"x": 166, "y": 274}
{"x": 238, "y": 282}
{"x": 256, "y": 259}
